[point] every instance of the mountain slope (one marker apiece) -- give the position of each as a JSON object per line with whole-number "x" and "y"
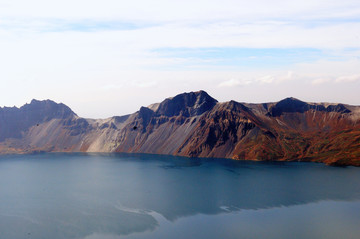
{"x": 196, "y": 125}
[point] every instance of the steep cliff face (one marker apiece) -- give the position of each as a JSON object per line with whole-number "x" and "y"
{"x": 186, "y": 104}
{"x": 162, "y": 129}
{"x": 195, "y": 125}
{"x": 313, "y": 132}
{"x": 40, "y": 126}
{"x": 13, "y": 121}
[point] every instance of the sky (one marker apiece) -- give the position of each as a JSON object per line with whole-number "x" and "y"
{"x": 110, "y": 57}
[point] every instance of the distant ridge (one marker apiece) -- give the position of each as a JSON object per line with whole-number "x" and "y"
{"x": 195, "y": 125}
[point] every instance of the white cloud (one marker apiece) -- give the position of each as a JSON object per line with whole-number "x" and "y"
{"x": 275, "y": 78}
{"x": 339, "y": 79}
{"x": 290, "y": 75}
{"x": 350, "y": 78}
{"x": 266, "y": 79}
{"x": 320, "y": 81}
{"x": 234, "y": 83}
{"x": 45, "y": 53}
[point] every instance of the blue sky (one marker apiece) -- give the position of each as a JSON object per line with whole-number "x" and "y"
{"x": 111, "y": 57}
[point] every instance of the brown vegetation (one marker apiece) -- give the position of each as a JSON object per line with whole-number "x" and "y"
{"x": 195, "y": 125}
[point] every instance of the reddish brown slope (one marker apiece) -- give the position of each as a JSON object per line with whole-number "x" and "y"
{"x": 164, "y": 129}
{"x": 307, "y": 133}
{"x": 287, "y": 130}
{"x": 195, "y": 125}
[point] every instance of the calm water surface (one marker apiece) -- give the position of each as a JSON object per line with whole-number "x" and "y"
{"x": 113, "y": 196}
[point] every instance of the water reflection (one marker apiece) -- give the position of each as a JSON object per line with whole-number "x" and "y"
{"x": 183, "y": 187}
{"x": 79, "y": 195}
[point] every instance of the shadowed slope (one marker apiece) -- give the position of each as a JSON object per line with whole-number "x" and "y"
{"x": 195, "y": 125}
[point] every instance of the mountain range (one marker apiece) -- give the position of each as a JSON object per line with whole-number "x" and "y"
{"x": 195, "y": 125}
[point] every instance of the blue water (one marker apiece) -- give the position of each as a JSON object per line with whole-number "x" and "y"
{"x": 112, "y": 196}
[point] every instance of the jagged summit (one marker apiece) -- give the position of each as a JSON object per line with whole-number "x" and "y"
{"x": 193, "y": 124}
{"x": 293, "y": 105}
{"x": 15, "y": 121}
{"x": 48, "y": 108}
{"x": 289, "y": 105}
{"x": 186, "y": 104}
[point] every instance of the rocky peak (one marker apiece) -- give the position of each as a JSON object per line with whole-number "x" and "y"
{"x": 288, "y": 105}
{"x": 13, "y": 121}
{"x": 47, "y": 109}
{"x": 145, "y": 114}
{"x": 293, "y": 105}
{"x": 340, "y": 108}
{"x": 186, "y": 104}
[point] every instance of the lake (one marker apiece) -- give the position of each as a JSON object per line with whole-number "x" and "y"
{"x": 93, "y": 196}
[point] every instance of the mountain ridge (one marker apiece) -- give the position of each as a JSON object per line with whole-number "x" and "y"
{"x": 193, "y": 124}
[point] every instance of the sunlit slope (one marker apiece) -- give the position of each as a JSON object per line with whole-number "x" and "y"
{"x": 196, "y": 125}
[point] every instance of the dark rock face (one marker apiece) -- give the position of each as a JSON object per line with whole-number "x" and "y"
{"x": 14, "y": 121}
{"x": 218, "y": 131}
{"x": 47, "y": 109}
{"x": 145, "y": 115}
{"x": 187, "y": 104}
{"x": 288, "y": 105}
{"x": 194, "y": 125}
{"x": 338, "y": 108}
{"x": 292, "y": 105}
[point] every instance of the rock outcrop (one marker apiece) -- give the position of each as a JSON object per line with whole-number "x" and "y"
{"x": 196, "y": 125}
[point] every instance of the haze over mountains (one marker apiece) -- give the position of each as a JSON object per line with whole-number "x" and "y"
{"x": 193, "y": 124}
